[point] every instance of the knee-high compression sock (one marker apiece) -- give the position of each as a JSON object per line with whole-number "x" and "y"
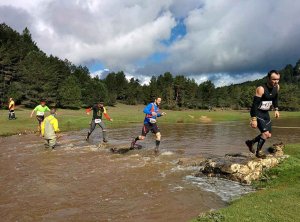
{"x": 256, "y": 139}
{"x": 104, "y": 135}
{"x": 260, "y": 144}
{"x": 157, "y": 142}
{"x": 136, "y": 139}
{"x": 88, "y": 135}
{"x": 259, "y": 153}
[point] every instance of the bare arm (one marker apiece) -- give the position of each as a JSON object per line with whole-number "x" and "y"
{"x": 32, "y": 113}
{"x": 276, "y": 114}
{"x": 259, "y": 91}
{"x": 256, "y": 101}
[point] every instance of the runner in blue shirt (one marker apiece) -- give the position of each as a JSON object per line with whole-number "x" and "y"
{"x": 152, "y": 112}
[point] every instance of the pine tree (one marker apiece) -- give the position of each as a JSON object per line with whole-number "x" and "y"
{"x": 70, "y": 93}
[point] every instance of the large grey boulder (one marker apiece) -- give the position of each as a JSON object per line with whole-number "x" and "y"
{"x": 242, "y": 167}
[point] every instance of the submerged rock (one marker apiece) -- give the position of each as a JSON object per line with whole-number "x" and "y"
{"x": 242, "y": 167}
{"x": 123, "y": 148}
{"x": 194, "y": 161}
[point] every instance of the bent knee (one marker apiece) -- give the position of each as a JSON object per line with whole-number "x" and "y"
{"x": 267, "y": 134}
{"x": 141, "y": 137}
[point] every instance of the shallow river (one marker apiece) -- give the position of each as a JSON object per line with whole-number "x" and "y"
{"x": 81, "y": 182}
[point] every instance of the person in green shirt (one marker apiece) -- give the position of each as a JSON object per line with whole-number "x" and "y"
{"x": 40, "y": 113}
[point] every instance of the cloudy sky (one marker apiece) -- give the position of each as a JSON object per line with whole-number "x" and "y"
{"x": 226, "y": 41}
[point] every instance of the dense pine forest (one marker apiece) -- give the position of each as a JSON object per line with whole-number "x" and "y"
{"x": 28, "y": 74}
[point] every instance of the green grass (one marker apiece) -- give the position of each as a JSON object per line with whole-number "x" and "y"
{"x": 122, "y": 116}
{"x": 278, "y": 197}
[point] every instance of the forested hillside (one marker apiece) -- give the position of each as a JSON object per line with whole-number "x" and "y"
{"x": 28, "y": 74}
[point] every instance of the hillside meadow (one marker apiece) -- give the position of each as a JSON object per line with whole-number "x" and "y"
{"x": 122, "y": 115}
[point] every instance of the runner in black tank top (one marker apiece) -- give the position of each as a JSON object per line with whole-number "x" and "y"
{"x": 265, "y": 99}
{"x": 98, "y": 110}
{"x": 268, "y": 99}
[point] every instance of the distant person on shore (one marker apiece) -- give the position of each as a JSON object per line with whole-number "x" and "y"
{"x": 152, "y": 112}
{"x": 98, "y": 111}
{"x": 49, "y": 129}
{"x": 11, "y": 109}
{"x": 266, "y": 97}
{"x": 40, "y": 112}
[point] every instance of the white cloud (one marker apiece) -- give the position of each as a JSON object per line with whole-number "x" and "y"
{"x": 144, "y": 80}
{"x": 26, "y": 5}
{"x": 223, "y": 79}
{"x": 233, "y": 37}
{"x": 100, "y": 73}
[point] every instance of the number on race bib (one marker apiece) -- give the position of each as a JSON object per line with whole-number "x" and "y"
{"x": 97, "y": 120}
{"x": 39, "y": 113}
{"x": 265, "y": 105}
{"x": 152, "y": 120}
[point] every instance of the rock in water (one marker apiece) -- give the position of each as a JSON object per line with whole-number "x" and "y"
{"x": 276, "y": 149}
{"x": 119, "y": 150}
{"x": 242, "y": 167}
{"x": 194, "y": 161}
{"x": 124, "y": 148}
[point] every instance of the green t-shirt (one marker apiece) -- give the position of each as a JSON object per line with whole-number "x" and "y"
{"x": 40, "y": 110}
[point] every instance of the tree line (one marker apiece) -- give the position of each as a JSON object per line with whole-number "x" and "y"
{"x": 28, "y": 75}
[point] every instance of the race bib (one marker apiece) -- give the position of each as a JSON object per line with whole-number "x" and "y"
{"x": 39, "y": 113}
{"x": 97, "y": 120}
{"x": 152, "y": 120}
{"x": 265, "y": 105}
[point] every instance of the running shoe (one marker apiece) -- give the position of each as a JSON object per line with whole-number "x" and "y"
{"x": 261, "y": 155}
{"x": 132, "y": 144}
{"x": 87, "y": 137}
{"x": 249, "y": 144}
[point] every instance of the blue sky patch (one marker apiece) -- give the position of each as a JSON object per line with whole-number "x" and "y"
{"x": 177, "y": 32}
{"x": 95, "y": 66}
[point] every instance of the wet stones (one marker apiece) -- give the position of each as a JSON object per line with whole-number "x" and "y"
{"x": 195, "y": 161}
{"x": 242, "y": 167}
{"x": 120, "y": 149}
{"x": 276, "y": 149}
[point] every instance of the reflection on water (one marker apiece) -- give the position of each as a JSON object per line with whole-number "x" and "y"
{"x": 82, "y": 182}
{"x": 216, "y": 139}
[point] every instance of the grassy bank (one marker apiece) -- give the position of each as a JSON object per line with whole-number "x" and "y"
{"x": 278, "y": 197}
{"x": 122, "y": 116}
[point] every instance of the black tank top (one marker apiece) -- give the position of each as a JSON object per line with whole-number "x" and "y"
{"x": 268, "y": 97}
{"x": 97, "y": 112}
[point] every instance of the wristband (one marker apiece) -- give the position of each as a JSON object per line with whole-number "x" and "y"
{"x": 253, "y": 118}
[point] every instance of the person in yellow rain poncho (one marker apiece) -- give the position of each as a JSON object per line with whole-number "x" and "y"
{"x": 11, "y": 107}
{"x": 49, "y": 129}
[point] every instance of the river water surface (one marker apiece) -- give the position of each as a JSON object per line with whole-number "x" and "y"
{"x": 79, "y": 181}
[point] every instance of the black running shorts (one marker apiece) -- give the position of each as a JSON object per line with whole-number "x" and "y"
{"x": 264, "y": 124}
{"x": 150, "y": 126}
